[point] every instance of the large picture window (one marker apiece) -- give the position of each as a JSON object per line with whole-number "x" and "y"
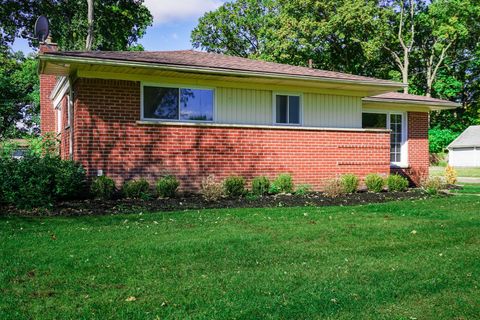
{"x": 165, "y": 103}
{"x": 287, "y": 109}
{"x": 396, "y": 123}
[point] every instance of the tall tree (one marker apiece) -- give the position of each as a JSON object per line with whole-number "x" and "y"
{"x": 89, "y": 41}
{"x": 69, "y": 22}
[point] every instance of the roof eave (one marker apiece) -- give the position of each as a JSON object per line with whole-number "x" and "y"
{"x": 392, "y": 86}
{"x": 431, "y": 105}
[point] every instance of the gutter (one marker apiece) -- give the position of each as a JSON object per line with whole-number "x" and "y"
{"x": 208, "y": 70}
{"x": 433, "y": 105}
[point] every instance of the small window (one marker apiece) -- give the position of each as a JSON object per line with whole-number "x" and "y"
{"x": 394, "y": 122}
{"x": 374, "y": 120}
{"x": 287, "y": 109}
{"x": 177, "y": 104}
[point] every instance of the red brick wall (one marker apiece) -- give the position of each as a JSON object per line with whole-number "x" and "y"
{"x": 47, "y": 82}
{"x": 418, "y": 157}
{"x": 108, "y": 137}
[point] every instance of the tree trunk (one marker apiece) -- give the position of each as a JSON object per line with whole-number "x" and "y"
{"x": 89, "y": 42}
{"x": 406, "y": 65}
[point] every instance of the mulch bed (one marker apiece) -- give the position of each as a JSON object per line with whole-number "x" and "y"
{"x": 195, "y": 202}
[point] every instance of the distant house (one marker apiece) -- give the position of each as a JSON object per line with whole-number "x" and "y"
{"x": 193, "y": 114}
{"x": 465, "y": 150}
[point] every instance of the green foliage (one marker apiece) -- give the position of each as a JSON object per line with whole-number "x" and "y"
{"x": 19, "y": 95}
{"x": 283, "y": 183}
{"x": 34, "y": 182}
{"x": 167, "y": 186}
{"x": 136, "y": 189}
{"x": 273, "y": 189}
{"x": 68, "y": 21}
{"x": 396, "y": 182}
{"x": 303, "y": 189}
{"x": 103, "y": 187}
{"x": 260, "y": 185}
{"x": 350, "y": 183}
{"x": 212, "y": 190}
{"x": 439, "y": 139}
{"x": 374, "y": 183}
{"x": 234, "y": 186}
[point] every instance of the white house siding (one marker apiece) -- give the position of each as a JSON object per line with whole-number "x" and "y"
{"x": 248, "y": 106}
{"x": 464, "y": 157}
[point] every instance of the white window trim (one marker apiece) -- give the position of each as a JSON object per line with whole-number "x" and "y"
{"x": 58, "y": 109}
{"x": 177, "y": 86}
{"x": 274, "y": 107}
{"x": 404, "y": 147}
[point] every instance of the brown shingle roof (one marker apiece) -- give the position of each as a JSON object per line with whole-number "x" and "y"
{"x": 411, "y": 99}
{"x": 191, "y": 58}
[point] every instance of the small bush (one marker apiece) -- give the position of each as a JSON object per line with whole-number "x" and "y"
{"x": 103, "y": 187}
{"x": 433, "y": 185}
{"x": 284, "y": 183}
{"x": 211, "y": 189}
{"x": 396, "y": 182}
{"x": 273, "y": 189}
{"x": 450, "y": 175}
{"x": 303, "y": 189}
{"x": 136, "y": 189}
{"x": 70, "y": 180}
{"x": 334, "y": 188}
{"x": 260, "y": 186}
{"x": 234, "y": 186}
{"x": 374, "y": 183}
{"x": 167, "y": 187}
{"x": 349, "y": 183}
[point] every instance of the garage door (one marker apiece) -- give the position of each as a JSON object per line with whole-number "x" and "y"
{"x": 464, "y": 157}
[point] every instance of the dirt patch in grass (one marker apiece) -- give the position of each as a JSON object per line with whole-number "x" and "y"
{"x": 194, "y": 202}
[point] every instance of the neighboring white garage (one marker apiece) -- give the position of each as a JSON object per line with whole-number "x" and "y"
{"x": 465, "y": 150}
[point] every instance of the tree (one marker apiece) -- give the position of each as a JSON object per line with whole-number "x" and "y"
{"x": 19, "y": 99}
{"x": 69, "y": 22}
{"x": 88, "y": 45}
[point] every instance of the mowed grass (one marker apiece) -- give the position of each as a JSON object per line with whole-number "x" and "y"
{"x": 469, "y": 188}
{"x": 461, "y": 172}
{"x": 399, "y": 260}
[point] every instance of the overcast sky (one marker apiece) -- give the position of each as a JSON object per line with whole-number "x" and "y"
{"x": 173, "y": 21}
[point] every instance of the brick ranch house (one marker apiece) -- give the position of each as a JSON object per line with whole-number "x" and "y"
{"x": 192, "y": 114}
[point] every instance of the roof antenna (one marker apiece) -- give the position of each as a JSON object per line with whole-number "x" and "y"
{"x": 310, "y": 63}
{"x": 41, "y": 29}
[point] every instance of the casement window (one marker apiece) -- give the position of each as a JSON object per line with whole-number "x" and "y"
{"x": 396, "y": 122}
{"x": 177, "y": 104}
{"x": 287, "y": 109}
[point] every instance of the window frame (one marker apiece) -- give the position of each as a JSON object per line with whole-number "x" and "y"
{"x": 179, "y": 87}
{"x": 404, "y": 144}
{"x": 274, "y": 108}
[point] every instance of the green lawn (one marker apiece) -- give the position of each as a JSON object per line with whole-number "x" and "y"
{"x": 462, "y": 172}
{"x": 403, "y": 260}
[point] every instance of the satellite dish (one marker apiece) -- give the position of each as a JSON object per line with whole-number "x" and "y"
{"x": 41, "y": 28}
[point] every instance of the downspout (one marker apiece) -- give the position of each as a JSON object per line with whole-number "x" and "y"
{"x": 70, "y": 117}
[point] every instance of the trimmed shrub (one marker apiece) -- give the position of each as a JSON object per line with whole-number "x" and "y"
{"x": 211, "y": 189}
{"x": 433, "y": 185}
{"x": 70, "y": 180}
{"x": 39, "y": 181}
{"x": 374, "y": 183}
{"x": 396, "y": 182}
{"x": 334, "y": 188}
{"x": 284, "y": 183}
{"x": 303, "y": 189}
{"x": 136, "y": 189}
{"x": 450, "y": 175}
{"x": 260, "y": 186}
{"x": 103, "y": 187}
{"x": 350, "y": 183}
{"x": 234, "y": 186}
{"x": 167, "y": 186}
